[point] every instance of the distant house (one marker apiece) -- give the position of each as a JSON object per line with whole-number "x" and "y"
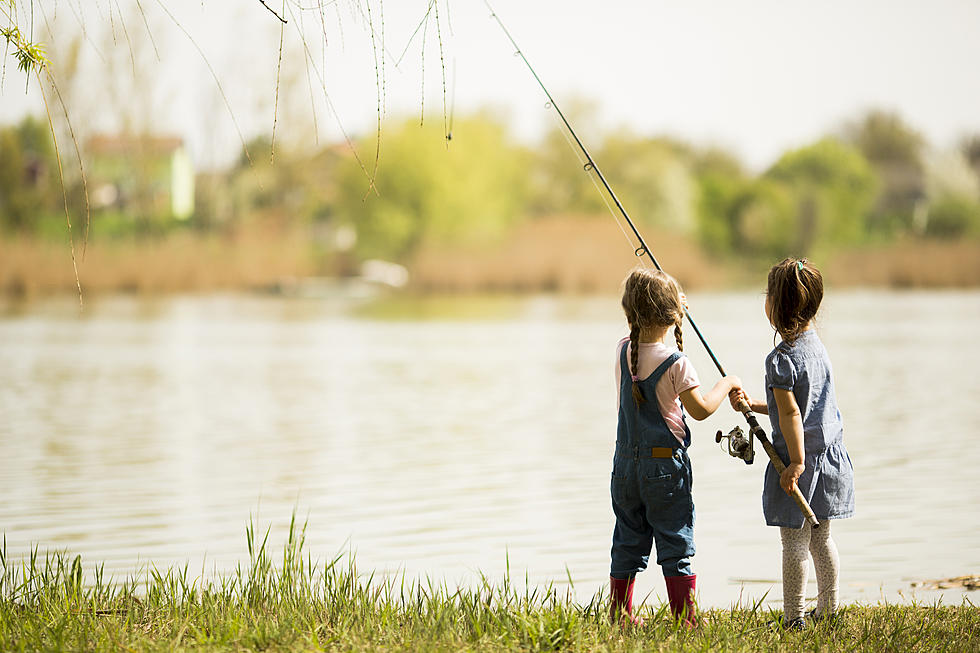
{"x": 141, "y": 174}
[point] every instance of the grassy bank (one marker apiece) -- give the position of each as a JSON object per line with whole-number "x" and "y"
{"x": 286, "y": 601}
{"x": 558, "y": 254}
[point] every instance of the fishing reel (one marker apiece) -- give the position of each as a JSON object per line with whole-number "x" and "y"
{"x": 738, "y": 445}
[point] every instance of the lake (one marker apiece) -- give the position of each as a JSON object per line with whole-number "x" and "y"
{"x": 457, "y": 436}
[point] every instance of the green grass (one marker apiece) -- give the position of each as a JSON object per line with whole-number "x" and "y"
{"x": 287, "y": 602}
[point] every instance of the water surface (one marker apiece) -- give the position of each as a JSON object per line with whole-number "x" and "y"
{"x": 443, "y": 438}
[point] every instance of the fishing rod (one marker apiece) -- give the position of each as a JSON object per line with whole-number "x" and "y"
{"x": 590, "y": 166}
{"x": 738, "y": 445}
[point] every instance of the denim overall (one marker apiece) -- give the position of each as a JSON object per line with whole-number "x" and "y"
{"x": 651, "y": 497}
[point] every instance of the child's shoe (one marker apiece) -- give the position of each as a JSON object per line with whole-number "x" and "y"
{"x": 780, "y": 623}
{"x": 680, "y": 593}
{"x": 831, "y": 618}
{"x": 795, "y": 624}
{"x": 621, "y": 602}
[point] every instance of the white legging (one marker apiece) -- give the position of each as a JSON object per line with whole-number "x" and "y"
{"x": 798, "y": 545}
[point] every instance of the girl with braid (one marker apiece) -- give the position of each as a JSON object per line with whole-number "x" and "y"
{"x": 651, "y": 477}
{"x": 808, "y": 433}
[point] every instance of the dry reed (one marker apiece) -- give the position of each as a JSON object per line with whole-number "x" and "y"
{"x": 568, "y": 254}
{"x": 180, "y": 262}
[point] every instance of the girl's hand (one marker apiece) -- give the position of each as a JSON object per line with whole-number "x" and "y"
{"x": 684, "y": 301}
{"x": 734, "y": 382}
{"x": 789, "y": 477}
{"x": 737, "y": 396}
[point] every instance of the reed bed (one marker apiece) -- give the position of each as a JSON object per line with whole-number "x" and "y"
{"x": 179, "y": 262}
{"x": 565, "y": 254}
{"x": 288, "y": 601}
{"x": 568, "y": 254}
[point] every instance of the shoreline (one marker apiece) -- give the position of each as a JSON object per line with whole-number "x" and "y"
{"x": 284, "y": 600}
{"x": 566, "y": 256}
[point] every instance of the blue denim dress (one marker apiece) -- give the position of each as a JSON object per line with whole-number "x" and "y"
{"x": 827, "y": 483}
{"x": 651, "y": 497}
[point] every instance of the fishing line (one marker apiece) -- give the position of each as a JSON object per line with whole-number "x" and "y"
{"x": 590, "y": 166}
{"x": 605, "y": 201}
{"x": 739, "y": 446}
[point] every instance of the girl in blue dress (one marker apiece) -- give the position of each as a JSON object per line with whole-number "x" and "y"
{"x": 808, "y": 433}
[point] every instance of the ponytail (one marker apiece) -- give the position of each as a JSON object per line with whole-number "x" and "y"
{"x": 794, "y": 293}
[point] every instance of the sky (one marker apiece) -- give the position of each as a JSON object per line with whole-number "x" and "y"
{"x": 757, "y": 77}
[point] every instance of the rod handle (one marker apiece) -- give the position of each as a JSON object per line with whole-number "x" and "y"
{"x": 777, "y": 462}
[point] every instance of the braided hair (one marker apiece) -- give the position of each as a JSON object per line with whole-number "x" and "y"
{"x": 793, "y": 295}
{"x": 651, "y": 298}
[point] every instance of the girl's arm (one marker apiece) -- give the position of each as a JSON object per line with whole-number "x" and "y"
{"x": 701, "y": 406}
{"x": 791, "y": 424}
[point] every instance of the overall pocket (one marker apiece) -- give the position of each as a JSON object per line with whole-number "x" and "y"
{"x": 664, "y": 481}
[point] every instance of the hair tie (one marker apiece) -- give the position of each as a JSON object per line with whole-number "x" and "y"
{"x": 799, "y": 265}
{"x": 635, "y": 378}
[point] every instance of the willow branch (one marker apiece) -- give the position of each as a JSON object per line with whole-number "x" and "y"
{"x": 273, "y": 11}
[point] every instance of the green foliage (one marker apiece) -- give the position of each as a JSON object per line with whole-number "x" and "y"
{"x": 894, "y": 151}
{"x": 720, "y": 183}
{"x": 30, "y": 56}
{"x": 468, "y": 192}
{"x": 650, "y": 176}
{"x": 970, "y": 149}
{"x": 814, "y": 197}
{"x": 953, "y": 216}
{"x": 559, "y": 185}
{"x": 652, "y": 179}
{"x": 833, "y": 186}
{"x": 29, "y": 185}
{"x": 762, "y": 216}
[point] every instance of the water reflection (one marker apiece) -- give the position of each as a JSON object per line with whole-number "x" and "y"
{"x": 442, "y": 443}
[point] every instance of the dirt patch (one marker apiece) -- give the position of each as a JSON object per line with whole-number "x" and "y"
{"x": 971, "y": 582}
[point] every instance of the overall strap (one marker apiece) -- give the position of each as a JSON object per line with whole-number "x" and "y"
{"x": 663, "y": 367}
{"x": 639, "y": 429}
{"x": 626, "y": 373}
{"x": 655, "y": 377}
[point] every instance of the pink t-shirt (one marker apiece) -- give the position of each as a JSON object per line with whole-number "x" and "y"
{"x": 679, "y": 377}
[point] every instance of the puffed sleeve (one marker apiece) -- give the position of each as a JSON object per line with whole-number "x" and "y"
{"x": 683, "y": 376}
{"x": 780, "y": 371}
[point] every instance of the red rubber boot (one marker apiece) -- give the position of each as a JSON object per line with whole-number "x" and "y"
{"x": 680, "y": 593}
{"x": 621, "y": 602}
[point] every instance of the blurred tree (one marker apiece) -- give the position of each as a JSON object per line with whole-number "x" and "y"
{"x": 28, "y": 174}
{"x": 297, "y": 188}
{"x": 970, "y": 148}
{"x": 466, "y": 191}
{"x": 558, "y": 182}
{"x": 762, "y": 215}
{"x": 652, "y": 178}
{"x": 834, "y": 187}
{"x": 720, "y": 180}
{"x": 895, "y": 151}
{"x": 953, "y": 207}
{"x": 953, "y": 216}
